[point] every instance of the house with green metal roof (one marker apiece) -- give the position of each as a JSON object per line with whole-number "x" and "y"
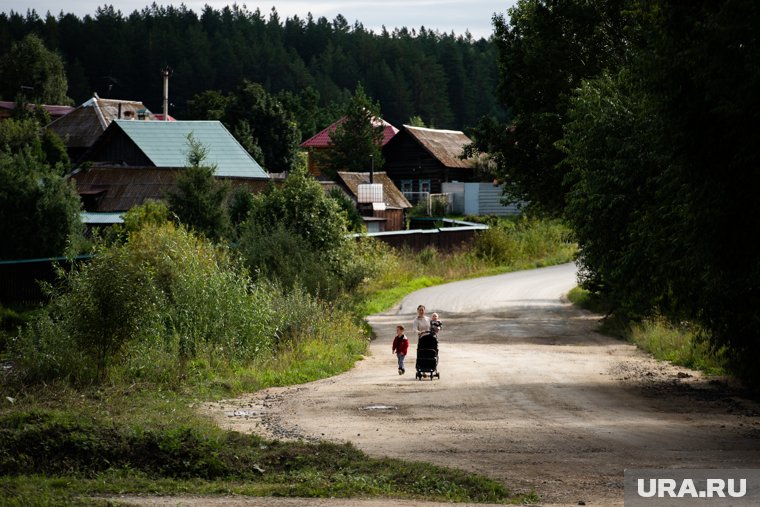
{"x": 137, "y": 160}
{"x": 165, "y": 144}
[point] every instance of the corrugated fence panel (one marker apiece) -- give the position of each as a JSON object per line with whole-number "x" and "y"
{"x": 479, "y": 199}
{"x": 490, "y": 201}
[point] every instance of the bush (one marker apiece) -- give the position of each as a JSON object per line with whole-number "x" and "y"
{"x": 296, "y": 235}
{"x": 164, "y": 297}
{"x": 39, "y": 209}
{"x": 211, "y": 305}
{"x": 508, "y": 241}
{"x": 497, "y": 245}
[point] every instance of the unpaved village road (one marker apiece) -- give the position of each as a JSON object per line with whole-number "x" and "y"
{"x": 529, "y": 394}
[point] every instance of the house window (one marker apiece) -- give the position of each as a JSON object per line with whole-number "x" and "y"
{"x": 407, "y": 189}
{"x": 425, "y": 186}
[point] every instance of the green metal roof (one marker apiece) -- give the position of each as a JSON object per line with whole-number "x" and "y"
{"x": 165, "y": 144}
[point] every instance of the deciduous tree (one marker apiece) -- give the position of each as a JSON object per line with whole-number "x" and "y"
{"x": 31, "y": 73}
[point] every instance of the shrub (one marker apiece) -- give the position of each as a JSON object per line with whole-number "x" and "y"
{"x": 296, "y": 235}
{"x": 497, "y": 245}
{"x": 353, "y": 218}
{"x": 153, "y": 303}
{"x": 211, "y": 305}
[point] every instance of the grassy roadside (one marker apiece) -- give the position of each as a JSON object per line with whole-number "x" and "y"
{"x": 60, "y": 444}
{"x": 679, "y": 344}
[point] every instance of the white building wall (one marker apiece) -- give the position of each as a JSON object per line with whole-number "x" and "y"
{"x": 478, "y": 199}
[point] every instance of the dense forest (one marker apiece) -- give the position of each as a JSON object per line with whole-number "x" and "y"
{"x": 447, "y": 80}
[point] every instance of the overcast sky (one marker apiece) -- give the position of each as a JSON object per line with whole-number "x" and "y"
{"x": 442, "y": 15}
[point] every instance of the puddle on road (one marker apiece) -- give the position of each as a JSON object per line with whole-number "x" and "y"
{"x": 379, "y": 407}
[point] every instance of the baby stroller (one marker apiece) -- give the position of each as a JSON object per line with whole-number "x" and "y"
{"x": 427, "y": 356}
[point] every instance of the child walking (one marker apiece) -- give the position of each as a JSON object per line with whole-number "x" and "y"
{"x": 400, "y": 348}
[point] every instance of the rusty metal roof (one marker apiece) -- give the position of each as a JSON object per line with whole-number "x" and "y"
{"x": 391, "y": 194}
{"x": 446, "y": 146}
{"x": 81, "y": 127}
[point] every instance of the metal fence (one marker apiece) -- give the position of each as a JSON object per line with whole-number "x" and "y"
{"x": 443, "y": 234}
{"x": 20, "y": 280}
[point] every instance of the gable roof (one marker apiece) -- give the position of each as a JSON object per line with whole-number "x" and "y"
{"x": 445, "y": 145}
{"x": 165, "y": 144}
{"x": 81, "y": 127}
{"x": 322, "y": 139}
{"x": 392, "y": 196}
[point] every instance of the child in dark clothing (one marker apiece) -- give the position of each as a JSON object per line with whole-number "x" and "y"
{"x": 400, "y": 348}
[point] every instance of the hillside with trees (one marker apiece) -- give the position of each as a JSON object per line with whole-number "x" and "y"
{"x": 311, "y": 64}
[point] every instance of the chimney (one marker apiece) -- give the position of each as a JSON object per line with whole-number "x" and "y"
{"x": 166, "y": 72}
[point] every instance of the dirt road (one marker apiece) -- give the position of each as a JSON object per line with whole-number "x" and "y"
{"x": 529, "y": 394}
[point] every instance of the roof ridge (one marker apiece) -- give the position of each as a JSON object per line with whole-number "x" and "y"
{"x": 434, "y": 130}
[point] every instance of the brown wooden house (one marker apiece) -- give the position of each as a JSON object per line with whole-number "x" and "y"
{"x": 419, "y": 160}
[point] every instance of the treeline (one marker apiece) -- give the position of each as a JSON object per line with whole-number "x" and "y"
{"x": 447, "y": 80}
{"x": 637, "y": 122}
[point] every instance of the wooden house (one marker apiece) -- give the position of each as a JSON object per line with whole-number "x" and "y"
{"x": 383, "y": 207}
{"x": 419, "y": 160}
{"x": 134, "y": 161}
{"x": 321, "y": 142}
{"x": 81, "y": 127}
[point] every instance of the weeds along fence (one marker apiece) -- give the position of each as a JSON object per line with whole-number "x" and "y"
{"x": 20, "y": 279}
{"x": 443, "y": 234}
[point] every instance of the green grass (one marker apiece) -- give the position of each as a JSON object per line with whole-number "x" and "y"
{"x": 386, "y": 298}
{"x": 679, "y": 344}
{"x": 512, "y": 244}
{"x": 60, "y": 445}
{"x": 59, "y": 455}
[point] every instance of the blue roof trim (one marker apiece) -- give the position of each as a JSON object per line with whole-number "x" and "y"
{"x": 109, "y": 217}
